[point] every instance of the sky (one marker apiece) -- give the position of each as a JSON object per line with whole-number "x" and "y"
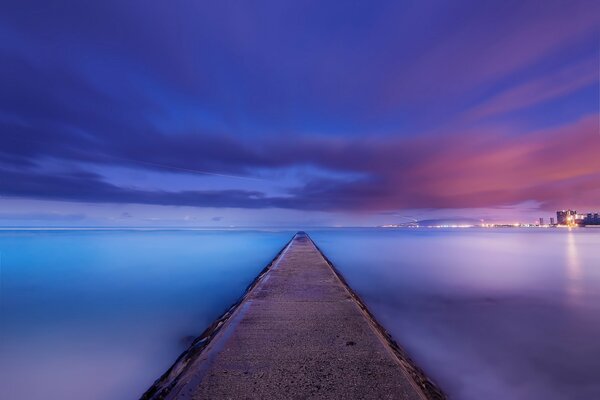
{"x": 304, "y": 113}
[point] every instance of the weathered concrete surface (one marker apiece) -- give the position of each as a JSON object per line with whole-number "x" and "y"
{"x": 298, "y": 333}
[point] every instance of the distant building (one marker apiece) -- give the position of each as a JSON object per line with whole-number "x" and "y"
{"x": 541, "y": 221}
{"x": 571, "y": 218}
{"x": 551, "y": 221}
{"x": 589, "y": 219}
{"x": 566, "y": 217}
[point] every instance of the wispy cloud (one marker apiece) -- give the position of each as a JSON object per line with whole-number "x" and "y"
{"x": 471, "y": 169}
{"x": 540, "y": 90}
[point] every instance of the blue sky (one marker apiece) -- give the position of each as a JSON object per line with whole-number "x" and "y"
{"x": 306, "y": 113}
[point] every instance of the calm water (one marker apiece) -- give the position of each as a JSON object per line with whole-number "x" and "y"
{"x": 493, "y": 314}
{"x": 101, "y": 314}
{"x": 489, "y": 314}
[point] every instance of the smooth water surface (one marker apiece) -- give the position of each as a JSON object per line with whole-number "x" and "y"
{"x": 102, "y": 314}
{"x": 488, "y": 313}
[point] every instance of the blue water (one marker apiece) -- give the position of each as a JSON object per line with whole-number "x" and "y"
{"x": 102, "y": 314}
{"x": 494, "y": 314}
{"x": 488, "y": 313}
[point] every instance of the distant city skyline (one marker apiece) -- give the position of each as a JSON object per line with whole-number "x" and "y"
{"x": 297, "y": 114}
{"x": 573, "y": 218}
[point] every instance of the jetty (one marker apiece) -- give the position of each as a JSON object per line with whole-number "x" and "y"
{"x": 298, "y": 332}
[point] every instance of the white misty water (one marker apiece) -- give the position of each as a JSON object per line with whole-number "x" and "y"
{"x": 488, "y": 313}
{"x": 494, "y": 314}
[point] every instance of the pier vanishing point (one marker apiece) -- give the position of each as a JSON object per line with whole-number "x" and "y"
{"x": 299, "y": 332}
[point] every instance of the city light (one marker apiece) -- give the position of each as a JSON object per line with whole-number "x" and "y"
{"x": 564, "y": 219}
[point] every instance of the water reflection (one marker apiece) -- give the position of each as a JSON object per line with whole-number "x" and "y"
{"x": 489, "y": 314}
{"x": 573, "y": 269}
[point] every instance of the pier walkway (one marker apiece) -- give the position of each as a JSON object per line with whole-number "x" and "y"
{"x": 298, "y": 333}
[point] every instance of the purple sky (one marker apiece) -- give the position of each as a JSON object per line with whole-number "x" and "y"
{"x": 303, "y": 113}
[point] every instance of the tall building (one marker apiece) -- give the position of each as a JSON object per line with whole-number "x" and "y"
{"x": 551, "y": 221}
{"x": 571, "y": 218}
{"x": 541, "y": 221}
{"x": 591, "y": 219}
{"x": 565, "y": 217}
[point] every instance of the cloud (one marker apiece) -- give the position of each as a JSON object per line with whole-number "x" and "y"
{"x": 539, "y": 90}
{"x": 359, "y": 94}
{"x": 42, "y": 216}
{"x": 471, "y": 169}
{"x": 492, "y": 41}
{"x": 91, "y": 188}
{"x": 555, "y": 167}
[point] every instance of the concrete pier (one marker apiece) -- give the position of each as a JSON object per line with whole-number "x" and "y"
{"x": 299, "y": 332}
